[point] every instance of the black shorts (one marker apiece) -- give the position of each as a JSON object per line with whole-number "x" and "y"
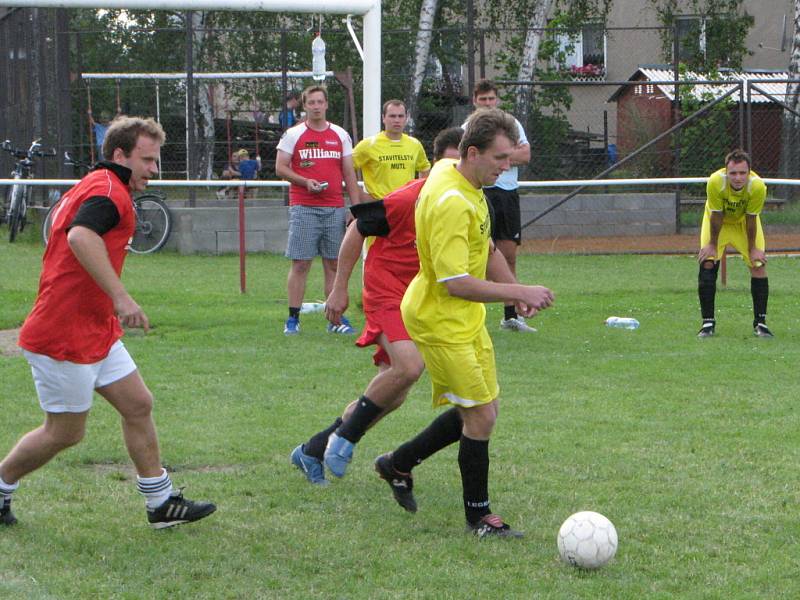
{"x": 506, "y": 220}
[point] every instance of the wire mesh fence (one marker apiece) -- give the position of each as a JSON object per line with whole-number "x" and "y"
{"x": 579, "y": 125}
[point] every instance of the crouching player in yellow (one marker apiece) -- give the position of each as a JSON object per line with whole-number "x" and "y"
{"x": 444, "y": 313}
{"x": 735, "y": 197}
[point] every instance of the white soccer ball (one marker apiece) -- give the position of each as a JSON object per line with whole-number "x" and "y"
{"x": 587, "y": 540}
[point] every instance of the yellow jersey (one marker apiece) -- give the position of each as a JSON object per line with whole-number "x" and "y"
{"x": 388, "y": 164}
{"x": 453, "y": 233}
{"x": 734, "y": 204}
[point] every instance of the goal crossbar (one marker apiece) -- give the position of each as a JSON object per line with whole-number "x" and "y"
{"x": 369, "y": 9}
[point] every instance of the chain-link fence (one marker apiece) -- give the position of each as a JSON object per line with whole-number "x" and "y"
{"x": 588, "y": 120}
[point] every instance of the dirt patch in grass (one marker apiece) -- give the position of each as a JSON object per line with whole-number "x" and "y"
{"x": 126, "y": 470}
{"x": 8, "y": 342}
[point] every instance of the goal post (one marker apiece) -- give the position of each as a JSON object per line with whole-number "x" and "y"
{"x": 369, "y": 9}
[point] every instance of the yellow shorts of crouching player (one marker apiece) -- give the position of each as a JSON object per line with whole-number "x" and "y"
{"x": 734, "y": 234}
{"x": 462, "y": 374}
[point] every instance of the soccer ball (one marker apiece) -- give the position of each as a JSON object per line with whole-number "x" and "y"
{"x": 587, "y": 540}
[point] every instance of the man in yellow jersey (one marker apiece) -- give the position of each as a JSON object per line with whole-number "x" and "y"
{"x": 391, "y": 158}
{"x": 735, "y": 197}
{"x": 444, "y": 314}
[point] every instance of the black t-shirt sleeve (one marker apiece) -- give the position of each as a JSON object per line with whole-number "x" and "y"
{"x": 371, "y": 218}
{"x": 98, "y": 213}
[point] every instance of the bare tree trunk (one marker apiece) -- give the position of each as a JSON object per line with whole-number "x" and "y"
{"x": 204, "y": 125}
{"x": 422, "y": 48}
{"x": 791, "y": 123}
{"x": 530, "y": 55}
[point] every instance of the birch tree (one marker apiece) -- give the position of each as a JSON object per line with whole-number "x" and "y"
{"x": 530, "y": 56}
{"x": 791, "y": 122}
{"x": 422, "y": 49}
{"x": 204, "y": 112}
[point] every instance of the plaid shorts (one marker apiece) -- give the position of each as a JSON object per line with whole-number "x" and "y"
{"x": 315, "y": 230}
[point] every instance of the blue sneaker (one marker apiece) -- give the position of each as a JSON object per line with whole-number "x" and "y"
{"x": 338, "y": 454}
{"x": 310, "y": 466}
{"x": 344, "y": 327}
{"x": 292, "y": 326}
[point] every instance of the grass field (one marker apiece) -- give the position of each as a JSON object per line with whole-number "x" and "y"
{"x": 690, "y": 447}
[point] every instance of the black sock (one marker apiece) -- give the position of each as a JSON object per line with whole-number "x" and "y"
{"x": 473, "y": 461}
{"x": 707, "y": 291}
{"x": 316, "y": 445}
{"x": 510, "y": 312}
{"x": 294, "y": 311}
{"x": 759, "y": 289}
{"x": 356, "y": 425}
{"x": 443, "y": 431}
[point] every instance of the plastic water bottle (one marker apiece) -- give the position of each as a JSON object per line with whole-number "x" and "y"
{"x": 318, "y": 58}
{"x": 312, "y": 307}
{"x": 622, "y": 322}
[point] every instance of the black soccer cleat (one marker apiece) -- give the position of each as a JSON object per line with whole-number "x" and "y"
{"x": 177, "y": 510}
{"x": 492, "y": 526}
{"x": 707, "y": 330}
{"x": 761, "y": 330}
{"x": 6, "y": 516}
{"x": 402, "y": 484}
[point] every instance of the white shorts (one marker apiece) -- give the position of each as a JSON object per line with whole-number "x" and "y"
{"x": 65, "y": 386}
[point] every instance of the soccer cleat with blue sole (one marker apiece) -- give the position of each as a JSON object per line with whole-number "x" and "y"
{"x": 311, "y": 467}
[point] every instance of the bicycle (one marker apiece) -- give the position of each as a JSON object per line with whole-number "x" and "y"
{"x": 18, "y": 196}
{"x": 153, "y": 217}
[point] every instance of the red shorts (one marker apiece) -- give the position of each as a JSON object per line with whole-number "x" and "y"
{"x": 388, "y": 322}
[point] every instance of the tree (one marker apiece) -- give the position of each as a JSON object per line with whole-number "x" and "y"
{"x": 790, "y": 154}
{"x": 723, "y": 23}
{"x": 422, "y": 47}
{"x": 530, "y": 55}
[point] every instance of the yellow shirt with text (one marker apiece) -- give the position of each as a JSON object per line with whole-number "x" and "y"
{"x": 453, "y": 233}
{"x": 388, "y": 164}
{"x": 734, "y": 204}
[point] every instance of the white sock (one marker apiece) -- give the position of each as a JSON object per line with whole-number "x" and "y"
{"x": 6, "y": 489}
{"x": 156, "y": 490}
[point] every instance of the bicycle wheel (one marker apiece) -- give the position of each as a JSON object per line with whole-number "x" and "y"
{"x": 153, "y": 224}
{"x": 47, "y": 223}
{"x": 23, "y": 212}
{"x": 15, "y": 212}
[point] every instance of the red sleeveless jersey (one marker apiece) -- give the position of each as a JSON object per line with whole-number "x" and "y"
{"x": 392, "y": 261}
{"x": 72, "y": 318}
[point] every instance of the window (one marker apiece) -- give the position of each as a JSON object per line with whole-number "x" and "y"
{"x": 691, "y": 37}
{"x": 584, "y": 53}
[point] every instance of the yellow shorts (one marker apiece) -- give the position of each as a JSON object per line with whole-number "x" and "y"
{"x": 733, "y": 234}
{"x": 463, "y": 374}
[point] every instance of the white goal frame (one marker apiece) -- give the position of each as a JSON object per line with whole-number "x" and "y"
{"x": 369, "y": 9}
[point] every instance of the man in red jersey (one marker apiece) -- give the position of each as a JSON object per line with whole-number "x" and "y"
{"x": 315, "y": 157}
{"x": 71, "y": 338}
{"x": 391, "y": 264}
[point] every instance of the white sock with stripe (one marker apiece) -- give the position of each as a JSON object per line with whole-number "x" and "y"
{"x": 6, "y": 489}
{"x": 156, "y": 490}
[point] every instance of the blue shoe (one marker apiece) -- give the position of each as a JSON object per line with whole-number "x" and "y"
{"x": 338, "y": 454}
{"x": 292, "y": 326}
{"x": 310, "y": 466}
{"x": 344, "y": 327}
